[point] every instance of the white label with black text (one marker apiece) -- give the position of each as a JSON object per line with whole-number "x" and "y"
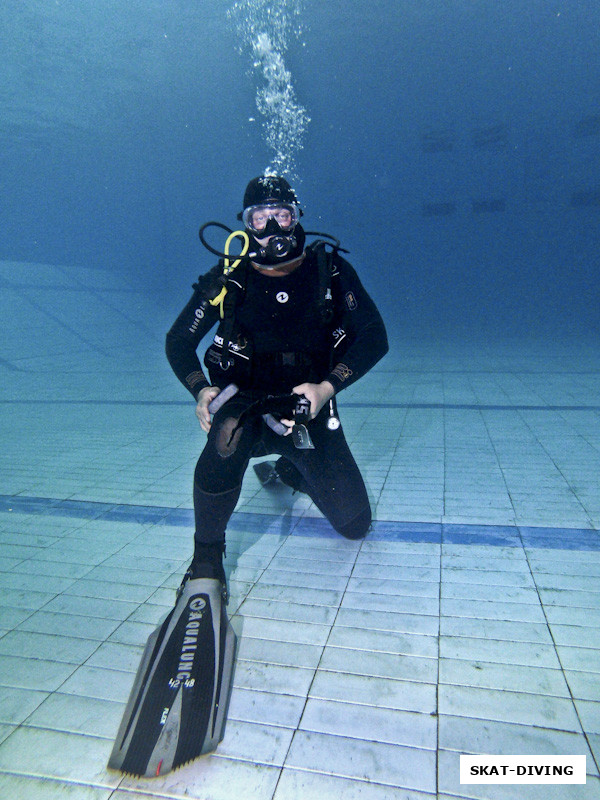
{"x": 522, "y": 769}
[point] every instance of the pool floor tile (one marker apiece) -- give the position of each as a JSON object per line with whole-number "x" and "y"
{"x": 466, "y": 621}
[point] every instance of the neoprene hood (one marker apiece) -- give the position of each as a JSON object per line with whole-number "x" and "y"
{"x": 272, "y": 187}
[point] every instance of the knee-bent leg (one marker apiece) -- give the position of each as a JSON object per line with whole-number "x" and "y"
{"x": 218, "y": 476}
{"x": 331, "y": 477}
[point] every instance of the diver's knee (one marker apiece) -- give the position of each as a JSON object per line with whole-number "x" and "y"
{"x": 358, "y": 527}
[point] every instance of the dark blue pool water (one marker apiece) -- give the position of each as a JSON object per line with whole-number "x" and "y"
{"x": 452, "y": 146}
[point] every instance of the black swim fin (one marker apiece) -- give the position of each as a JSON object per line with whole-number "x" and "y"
{"x": 177, "y": 708}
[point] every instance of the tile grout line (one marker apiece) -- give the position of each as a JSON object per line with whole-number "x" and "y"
{"x": 556, "y": 466}
{"x": 78, "y": 666}
{"x": 437, "y": 683}
{"x": 441, "y": 564}
{"x": 568, "y": 685}
{"x": 308, "y": 691}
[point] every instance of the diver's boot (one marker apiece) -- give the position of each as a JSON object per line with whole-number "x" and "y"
{"x": 290, "y": 475}
{"x": 206, "y": 563}
{"x": 211, "y": 512}
{"x": 270, "y": 472}
{"x": 266, "y": 472}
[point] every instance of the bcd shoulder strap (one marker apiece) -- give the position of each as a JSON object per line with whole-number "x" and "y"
{"x": 235, "y": 286}
{"x": 325, "y": 256}
{"x": 211, "y": 283}
{"x": 224, "y": 290}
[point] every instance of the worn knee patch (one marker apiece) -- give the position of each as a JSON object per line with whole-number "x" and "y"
{"x": 226, "y": 446}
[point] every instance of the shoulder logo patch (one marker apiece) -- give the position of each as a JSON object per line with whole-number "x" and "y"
{"x": 351, "y": 301}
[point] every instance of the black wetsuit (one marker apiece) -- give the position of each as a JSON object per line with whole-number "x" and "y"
{"x": 282, "y": 340}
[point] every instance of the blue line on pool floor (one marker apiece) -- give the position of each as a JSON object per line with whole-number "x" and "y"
{"x": 283, "y": 524}
{"x": 349, "y": 404}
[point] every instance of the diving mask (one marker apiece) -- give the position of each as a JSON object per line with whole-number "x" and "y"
{"x": 268, "y": 219}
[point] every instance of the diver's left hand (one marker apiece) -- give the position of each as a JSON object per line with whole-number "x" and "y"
{"x": 316, "y": 393}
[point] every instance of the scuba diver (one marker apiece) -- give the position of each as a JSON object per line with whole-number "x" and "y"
{"x": 295, "y": 327}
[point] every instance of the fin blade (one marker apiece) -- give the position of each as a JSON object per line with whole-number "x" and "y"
{"x": 178, "y": 704}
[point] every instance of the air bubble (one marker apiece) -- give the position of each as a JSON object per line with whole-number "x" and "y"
{"x": 266, "y": 30}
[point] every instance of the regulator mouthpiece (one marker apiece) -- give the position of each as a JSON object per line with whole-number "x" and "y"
{"x": 278, "y": 248}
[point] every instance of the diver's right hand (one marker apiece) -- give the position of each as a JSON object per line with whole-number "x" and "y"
{"x": 204, "y": 398}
